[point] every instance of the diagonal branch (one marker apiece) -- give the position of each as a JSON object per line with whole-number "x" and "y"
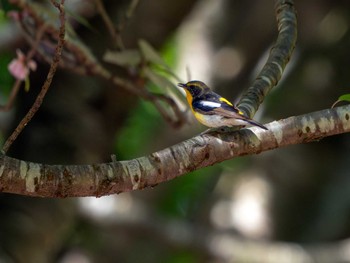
{"x": 43, "y": 180}
{"x": 27, "y": 118}
{"x": 279, "y": 56}
{"x": 116, "y": 38}
{"x": 12, "y": 97}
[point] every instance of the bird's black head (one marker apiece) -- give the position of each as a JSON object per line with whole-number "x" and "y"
{"x": 194, "y": 87}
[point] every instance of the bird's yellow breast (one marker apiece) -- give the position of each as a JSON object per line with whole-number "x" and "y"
{"x": 189, "y": 99}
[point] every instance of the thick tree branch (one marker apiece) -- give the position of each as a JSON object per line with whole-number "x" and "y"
{"x": 43, "y": 180}
{"x": 278, "y": 58}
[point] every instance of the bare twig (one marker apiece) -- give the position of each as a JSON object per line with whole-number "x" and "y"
{"x": 113, "y": 30}
{"x": 12, "y": 97}
{"x": 128, "y": 14}
{"x": 177, "y": 119}
{"x": 75, "y": 56}
{"x": 47, "y": 83}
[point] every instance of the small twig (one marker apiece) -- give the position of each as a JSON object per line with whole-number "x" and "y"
{"x": 116, "y": 38}
{"x": 113, "y": 30}
{"x": 128, "y": 14}
{"x": 35, "y": 107}
{"x": 11, "y": 99}
{"x": 36, "y": 43}
{"x": 179, "y": 116}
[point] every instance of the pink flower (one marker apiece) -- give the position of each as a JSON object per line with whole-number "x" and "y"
{"x": 19, "y": 67}
{"x": 14, "y": 15}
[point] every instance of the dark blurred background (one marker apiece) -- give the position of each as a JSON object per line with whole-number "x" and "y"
{"x": 286, "y": 205}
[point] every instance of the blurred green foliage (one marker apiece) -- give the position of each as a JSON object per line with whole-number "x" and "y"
{"x": 182, "y": 257}
{"x": 170, "y": 52}
{"x": 2, "y": 16}
{"x": 186, "y": 194}
{"x": 136, "y": 136}
{"x": 6, "y": 79}
{"x": 5, "y": 7}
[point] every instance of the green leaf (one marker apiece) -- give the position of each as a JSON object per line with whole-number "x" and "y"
{"x": 26, "y": 84}
{"x": 124, "y": 58}
{"x": 150, "y": 54}
{"x": 160, "y": 81}
{"x": 345, "y": 97}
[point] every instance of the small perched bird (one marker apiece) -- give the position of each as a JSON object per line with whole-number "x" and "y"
{"x": 211, "y": 109}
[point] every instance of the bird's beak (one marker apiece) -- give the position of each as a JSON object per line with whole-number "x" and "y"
{"x": 181, "y": 85}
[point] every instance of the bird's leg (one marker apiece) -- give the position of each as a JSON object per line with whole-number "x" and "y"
{"x": 206, "y": 131}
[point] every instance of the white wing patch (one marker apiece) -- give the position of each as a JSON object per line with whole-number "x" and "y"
{"x": 207, "y": 103}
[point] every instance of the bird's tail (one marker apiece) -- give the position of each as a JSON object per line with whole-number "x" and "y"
{"x": 254, "y": 123}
